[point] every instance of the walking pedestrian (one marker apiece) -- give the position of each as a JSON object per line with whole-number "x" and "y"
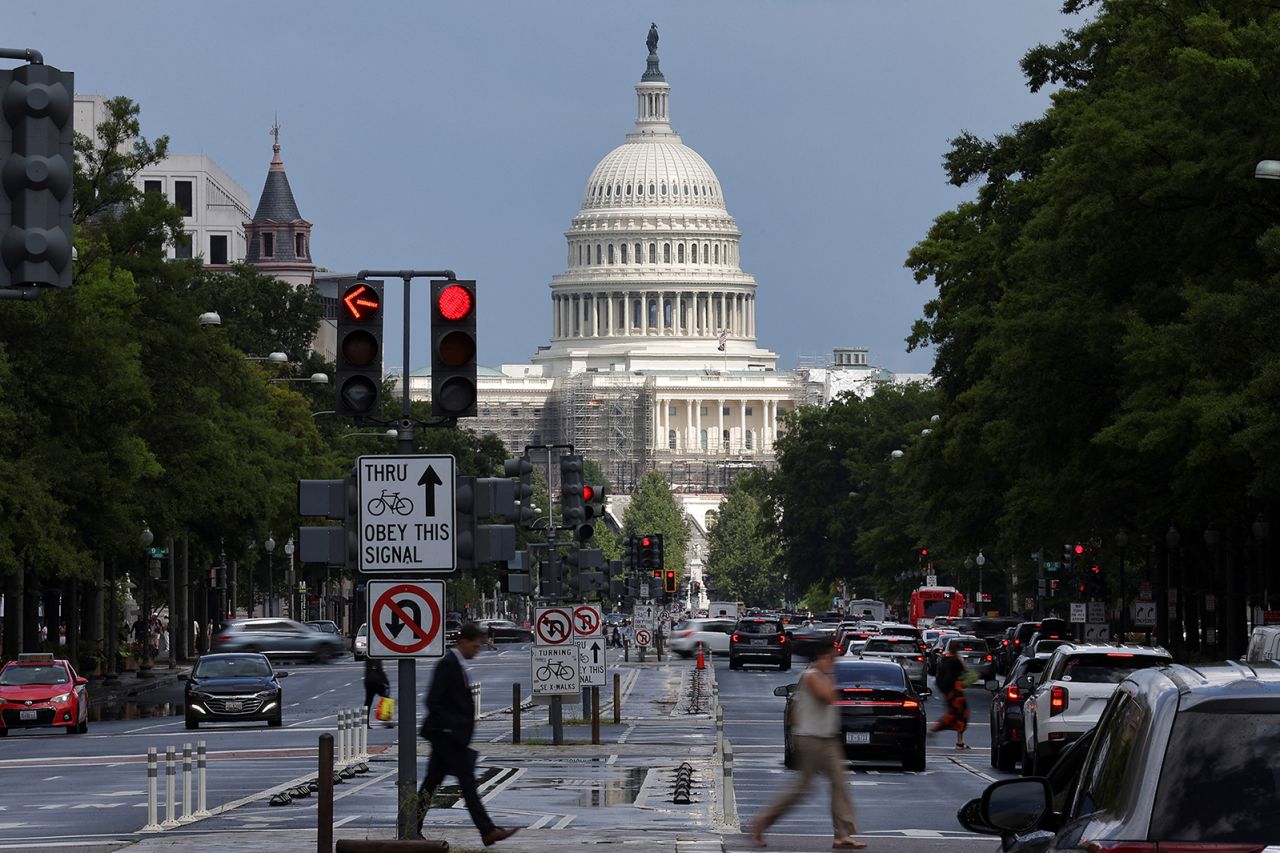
{"x": 815, "y": 731}
{"x": 376, "y": 683}
{"x": 450, "y": 723}
{"x": 949, "y": 680}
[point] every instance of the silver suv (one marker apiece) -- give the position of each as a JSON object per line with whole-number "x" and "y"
{"x": 1182, "y": 758}
{"x": 279, "y": 638}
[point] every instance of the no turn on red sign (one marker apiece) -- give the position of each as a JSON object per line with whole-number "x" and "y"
{"x": 406, "y": 619}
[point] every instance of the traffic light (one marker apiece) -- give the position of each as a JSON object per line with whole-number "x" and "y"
{"x": 647, "y": 554}
{"x": 477, "y": 498}
{"x": 37, "y": 133}
{"x": 659, "y": 549}
{"x": 453, "y": 349}
{"x": 573, "y": 507}
{"x": 593, "y": 507}
{"x": 1069, "y": 556}
{"x": 670, "y": 584}
{"x": 1094, "y": 585}
{"x": 359, "y": 370}
{"x": 521, "y": 470}
{"x": 629, "y": 560}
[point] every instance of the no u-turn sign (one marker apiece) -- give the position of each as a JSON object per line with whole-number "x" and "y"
{"x": 406, "y": 619}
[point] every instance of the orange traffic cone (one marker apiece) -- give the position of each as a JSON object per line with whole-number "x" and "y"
{"x": 702, "y": 663}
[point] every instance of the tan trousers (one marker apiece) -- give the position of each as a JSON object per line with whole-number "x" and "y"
{"x": 817, "y": 755}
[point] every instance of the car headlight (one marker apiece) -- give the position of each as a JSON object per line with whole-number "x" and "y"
{"x": 61, "y": 697}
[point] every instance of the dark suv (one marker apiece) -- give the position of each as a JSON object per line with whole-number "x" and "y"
{"x": 1182, "y": 758}
{"x": 758, "y": 639}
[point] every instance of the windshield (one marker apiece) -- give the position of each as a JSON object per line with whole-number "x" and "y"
{"x": 16, "y": 675}
{"x": 901, "y": 646}
{"x": 1221, "y": 779}
{"x": 967, "y": 646}
{"x": 937, "y": 607}
{"x": 864, "y": 675}
{"x": 1107, "y": 668}
{"x": 232, "y": 668}
{"x": 759, "y": 628}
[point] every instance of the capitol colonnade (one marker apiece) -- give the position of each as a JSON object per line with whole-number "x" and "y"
{"x": 686, "y": 313}
{"x": 731, "y": 422}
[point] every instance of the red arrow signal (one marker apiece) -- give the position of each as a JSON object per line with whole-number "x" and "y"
{"x": 361, "y": 302}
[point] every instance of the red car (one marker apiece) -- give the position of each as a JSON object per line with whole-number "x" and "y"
{"x": 38, "y": 690}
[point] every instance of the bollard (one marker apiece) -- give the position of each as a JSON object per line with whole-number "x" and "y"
{"x": 151, "y": 826}
{"x": 515, "y": 712}
{"x": 201, "y": 810}
{"x": 171, "y": 781}
{"x": 475, "y": 697}
{"x": 341, "y": 757}
{"x": 626, "y": 650}
{"x": 595, "y": 715}
{"x": 186, "y": 782}
{"x": 586, "y": 702}
{"x": 364, "y": 739}
{"x": 324, "y": 808}
{"x": 702, "y": 661}
{"x": 617, "y": 698}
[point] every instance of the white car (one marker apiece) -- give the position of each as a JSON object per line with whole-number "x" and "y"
{"x": 711, "y": 634}
{"x": 1075, "y": 686}
{"x": 360, "y": 646}
{"x": 901, "y": 650}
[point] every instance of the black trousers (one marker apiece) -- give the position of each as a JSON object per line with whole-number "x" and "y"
{"x": 450, "y": 758}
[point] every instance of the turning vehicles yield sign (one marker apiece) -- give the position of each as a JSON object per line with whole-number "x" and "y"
{"x": 405, "y": 619}
{"x": 552, "y": 626}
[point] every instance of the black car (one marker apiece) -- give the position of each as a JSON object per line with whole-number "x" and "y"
{"x": 233, "y": 687}
{"x": 881, "y": 714}
{"x": 504, "y": 631}
{"x": 759, "y": 640}
{"x": 1006, "y": 711}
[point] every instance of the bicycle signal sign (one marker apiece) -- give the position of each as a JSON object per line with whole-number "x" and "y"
{"x": 406, "y": 513}
{"x": 554, "y": 670}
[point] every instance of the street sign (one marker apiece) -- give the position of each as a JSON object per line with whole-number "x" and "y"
{"x": 587, "y": 621}
{"x": 405, "y": 619}
{"x": 1097, "y": 632}
{"x": 1097, "y": 612}
{"x": 1078, "y": 611}
{"x": 157, "y": 553}
{"x": 406, "y": 510}
{"x": 931, "y": 580}
{"x": 644, "y": 637}
{"x": 1144, "y": 590}
{"x": 554, "y": 670}
{"x": 643, "y": 615}
{"x": 1052, "y": 565}
{"x": 1143, "y": 613}
{"x": 592, "y": 661}
{"x": 552, "y": 626}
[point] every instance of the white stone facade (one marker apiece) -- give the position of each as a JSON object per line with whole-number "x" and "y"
{"x": 215, "y": 207}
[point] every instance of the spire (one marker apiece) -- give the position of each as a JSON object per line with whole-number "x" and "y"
{"x": 276, "y": 203}
{"x": 653, "y": 96}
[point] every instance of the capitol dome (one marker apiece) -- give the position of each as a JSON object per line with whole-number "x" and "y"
{"x": 653, "y": 281}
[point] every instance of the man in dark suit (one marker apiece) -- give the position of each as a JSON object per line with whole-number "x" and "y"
{"x": 450, "y": 723}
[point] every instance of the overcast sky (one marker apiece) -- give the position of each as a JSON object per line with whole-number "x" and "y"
{"x": 461, "y": 134}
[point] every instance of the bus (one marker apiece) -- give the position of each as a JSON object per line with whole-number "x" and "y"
{"x": 866, "y": 608}
{"x": 930, "y": 602}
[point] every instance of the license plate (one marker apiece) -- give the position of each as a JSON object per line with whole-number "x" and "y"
{"x": 857, "y": 737}
{"x": 26, "y": 715}
{"x": 233, "y": 706}
{"x": 759, "y": 642}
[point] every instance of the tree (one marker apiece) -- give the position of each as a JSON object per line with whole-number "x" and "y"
{"x": 653, "y": 509}
{"x": 742, "y": 558}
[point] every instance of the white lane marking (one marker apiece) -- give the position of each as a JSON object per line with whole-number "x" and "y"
{"x": 51, "y": 778}
{"x": 344, "y": 821}
{"x": 975, "y": 771}
{"x": 295, "y": 704}
{"x": 563, "y": 822}
{"x": 502, "y": 786}
{"x": 541, "y": 822}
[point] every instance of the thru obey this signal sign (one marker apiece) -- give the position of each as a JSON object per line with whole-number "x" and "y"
{"x": 405, "y": 619}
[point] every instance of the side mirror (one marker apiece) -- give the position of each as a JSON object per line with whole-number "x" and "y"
{"x": 182, "y": 676}
{"x": 282, "y": 675}
{"x": 784, "y": 690}
{"x": 992, "y": 685}
{"x": 80, "y": 679}
{"x": 1017, "y": 806}
{"x": 925, "y": 693}
{"x": 970, "y": 817}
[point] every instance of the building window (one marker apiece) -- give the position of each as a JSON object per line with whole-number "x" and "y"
{"x": 182, "y": 247}
{"x": 515, "y": 413}
{"x": 749, "y": 411}
{"x": 579, "y": 254}
{"x": 537, "y": 413}
{"x": 628, "y": 190}
{"x": 299, "y": 247}
{"x": 653, "y": 253}
{"x": 152, "y": 187}
{"x": 485, "y": 412}
{"x": 218, "y": 249}
{"x": 702, "y": 439}
{"x": 725, "y": 439}
{"x": 611, "y": 253}
{"x": 671, "y": 411}
{"x": 664, "y": 188}
{"x": 182, "y": 196}
{"x": 747, "y": 440}
{"x": 651, "y": 189}
{"x": 717, "y": 251}
{"x": 597, "y": 253}
{"x": 694, "y": 257}
{"x": 724, "y": 410}
{"x": 680, "y": 253}
{"x": 268, "y": 245}
{"x": 624, "y": 252}
{"x": 639, "y": 254}
{"x": 702, "y": 411}
{"x": 671, "y": 439}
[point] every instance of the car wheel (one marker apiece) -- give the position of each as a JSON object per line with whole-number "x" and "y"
{"x": 275, "y": 722}
{"x": 733, "y": 664}
{"x": 4, "y": 732}
{"x": 83, "y": 728}
{"x": 785, "y": 665}
{"x": 788, "y": 753}
{"x": 914, "y": 761}
{"x": 192, "y": 723}
{"x": 1005, "y": 758}
{"x": 72, "y": 730}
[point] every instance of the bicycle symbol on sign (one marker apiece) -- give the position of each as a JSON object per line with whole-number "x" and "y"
{"x": 556, "y": 670}
{"x": 390, "y": 501}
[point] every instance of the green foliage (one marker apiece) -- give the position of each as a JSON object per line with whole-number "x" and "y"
{"x": 653, "y": 509}
{"x": 743, "y": 558}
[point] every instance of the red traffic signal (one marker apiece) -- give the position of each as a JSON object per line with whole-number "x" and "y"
{"x": 588, "y": 493}
{"x": 361, "y": 302}
{"x": 670, "y": 584}
{"x": 646, "y": 542}
{"x": 453, "y": 349}
{"x": 455, "y": 303}
{"x": 1079, "y": 549}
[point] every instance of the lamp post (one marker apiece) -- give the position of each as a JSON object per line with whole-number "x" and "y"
{"x": 968, "y": 573}
{"x": 268, "y": 546}
{"x": 981, "y": 561}
{"x": 1173, "y": 618}
{"x": 288, "y": 552}
{"x": 145, "y": 539}
{"x": 1122, "y": 542}
{"x": 1212, "y": 538}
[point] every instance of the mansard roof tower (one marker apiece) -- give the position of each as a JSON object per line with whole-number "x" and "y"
{"x": 279, "y": 239}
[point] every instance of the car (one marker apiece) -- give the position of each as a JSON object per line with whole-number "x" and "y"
{"x": 848, "y": 632}
{"x": 1077, "y": 682}
{"x": 710, "y": 635}
{"x": 360, "y": 645}
{"x": 1038, "y": 645}
{"x": 1264, "y": 644}
{"x": 505, "y": 631}
{"x": 975, "y": 654}
{"x": 616, "y": 620}
{"x": 882, "y": 715}
{"x": 903, "y": 651}
{"x": 1006, "y": 710}
{"x": 277, "y": 637}
{"x": 1049, "y": 626}
{"x": 232, "y": 688}
{"x": 39, "y": 690}
{"x": 452, "y": 630}
{"x": 933, "y": 650}
{"x": 854, "y": 648}
{"x": 1183, "y": 758}
{"x": 759, "y": 640}
{"x": 891, "y": 629}
{"x": 328, "y": 626}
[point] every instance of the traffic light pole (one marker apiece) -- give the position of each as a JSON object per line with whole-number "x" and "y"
{"x": 406, "y": 670}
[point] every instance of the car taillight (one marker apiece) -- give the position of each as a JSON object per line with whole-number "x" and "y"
{"x": 1118, "y": 655}
{"x": 1017, "y": 642}
{"x": 782, "y": 638}
{"x": 734, "y": 638}
{"x": 1004, "y": 642}
{"x": 919, "y": 657}
{"x": 223, "y": 638}
{"x": 1011, "y": 693}
{"x": 910, "y": 703}
{"x": 1057, "y": 701}
{"x": 988, "y": 657}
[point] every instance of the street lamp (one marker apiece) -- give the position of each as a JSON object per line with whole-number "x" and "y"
{"x": 1261, "y": 529}
{"x": 982, "y": 561}
{"x": 210, "y": 318}
{"x": 273, "y": 358}
{"x": 1122, "y": 542}
{"x": 145, "y": 539}
{"x": 288, "y": 552}
{"x": 968, "y": 573}
{"x": 314, "y": 379}
{"x": 268, "y": 546}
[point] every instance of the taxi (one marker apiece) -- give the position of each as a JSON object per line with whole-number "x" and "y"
{"x": 38, "y": 690}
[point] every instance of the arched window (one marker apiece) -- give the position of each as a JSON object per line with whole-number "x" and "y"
{"x": 717, "y": 251}
{"x": 597, "y": 253}
{"x": 747, "y": 440}
{"x": 680, "y": 253}
{"x": 653, "y": 253}
{"x": 610, "y": 253}
{"x": 639, "y": 255}
{"x": 651, "y": 192}
{"x": 579, "y": 254}
{"x": 702, "y": 439}
{"x": 666, "y": 253}
{"x": 725, "y": 439}
{"x": 671, "y": 439}
{"x": 628, "y": 190}
{"x": 706, "y": 253}
{"x": 694, "y": 258}
{"x": 608, "y": 191}
{"x": 652, "y": 307}
{"x": 686, "y": 189}
{"x": 618, "y": 190}
{"x": 299, "y": 248}
{"x": 664, "y": 187}
{"x": 666, "y": 314}
{"x": 624, "y": 253}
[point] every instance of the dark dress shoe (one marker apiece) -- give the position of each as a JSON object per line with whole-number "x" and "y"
{"x": 498, "y": 833}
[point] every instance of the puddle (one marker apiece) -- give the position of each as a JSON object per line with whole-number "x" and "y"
{"x": 613, "y": 792}
{"x": 133, "y": 710}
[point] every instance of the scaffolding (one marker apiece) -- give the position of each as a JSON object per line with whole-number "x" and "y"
{"x": 607, "y": 419}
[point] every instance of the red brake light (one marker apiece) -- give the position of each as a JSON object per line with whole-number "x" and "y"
{"x": 1118, "y": 655}
{"x": 910, "y": 703}
{"x": 734, "y": 638}
{"x": 684, "y": 634}
{"x": 988, "y": 657}
{"x": 919, "y": 657}
{"x": 782, "y": 638}
{"x": 1017, "y": 642}
{"x": 1011, "y": 693}
{"x": 223, "y": 638}
{"x": 1057, "y": 701}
